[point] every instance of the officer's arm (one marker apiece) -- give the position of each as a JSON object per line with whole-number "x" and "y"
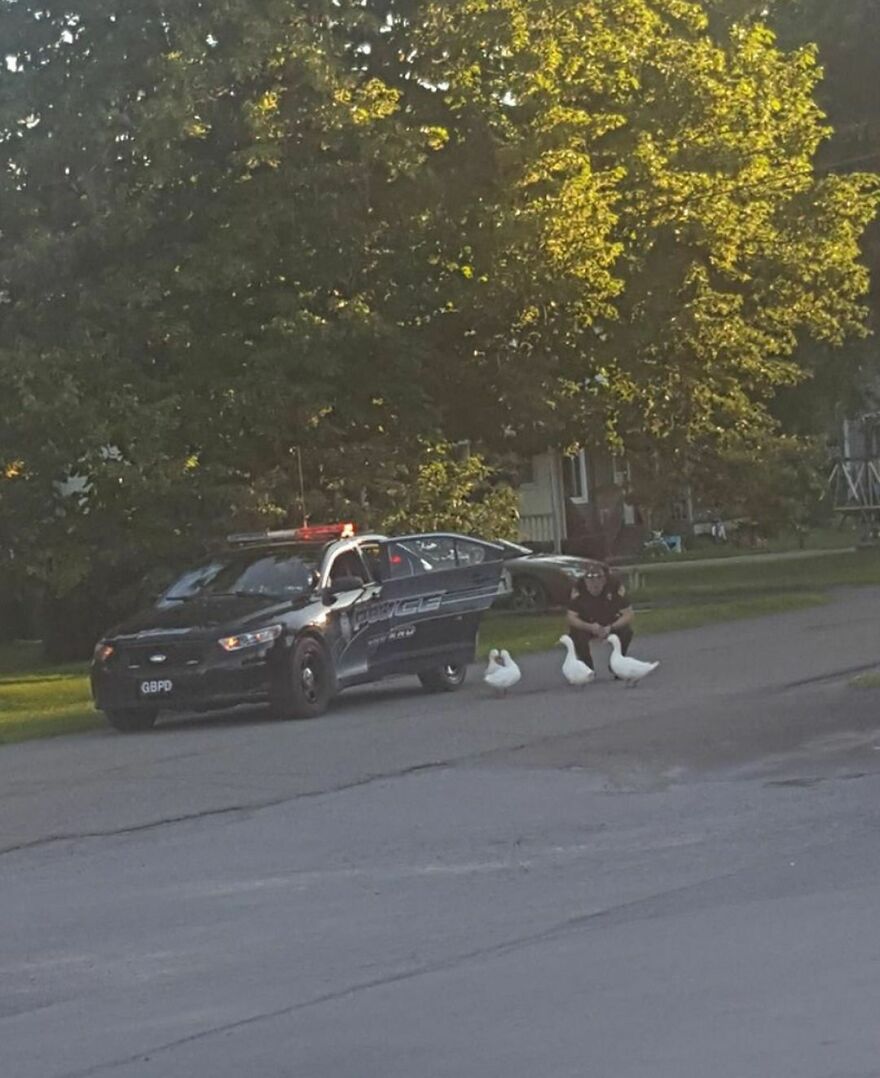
{"x": 626, "y": 613}
{"x": 574, "y": 622}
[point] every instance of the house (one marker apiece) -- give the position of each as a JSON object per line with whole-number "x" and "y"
{"x": 577, "y": 504}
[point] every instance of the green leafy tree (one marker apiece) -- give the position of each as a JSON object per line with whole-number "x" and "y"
{"x": 847, "y": 36}
{"x": 232, "y": 234}
{"x": 446, "y": 493}
{"x": 778, "y": 481}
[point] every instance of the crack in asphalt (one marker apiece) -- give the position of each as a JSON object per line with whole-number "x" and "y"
{"x": 225, "y": 810}
{"x": 660, "y": 903}
{"x": 834, "y": 675}
{"x": 255, "y": 806}
{"x": 431, "y": 765}
{"x": 615, "y": 914}
{"x": 285, "y": 799}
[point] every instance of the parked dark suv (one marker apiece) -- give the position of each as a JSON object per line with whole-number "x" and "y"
{"x": 289, "y": 618}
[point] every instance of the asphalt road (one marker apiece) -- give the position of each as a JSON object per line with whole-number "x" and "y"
{"x": 676, "y": 881}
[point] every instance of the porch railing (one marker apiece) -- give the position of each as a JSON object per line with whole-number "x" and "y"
{"x": 855, "y": 488}
{"x": 538, "y": 528}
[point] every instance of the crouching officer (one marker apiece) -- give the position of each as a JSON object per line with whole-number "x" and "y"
{"x": 599, "y": 607}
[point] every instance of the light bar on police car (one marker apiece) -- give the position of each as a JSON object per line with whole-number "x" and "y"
{"x": 308, "y": 534}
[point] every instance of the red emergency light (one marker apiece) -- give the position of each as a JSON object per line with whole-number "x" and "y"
{"x": 313, "y": 532}
{"x": 309, "y": 534}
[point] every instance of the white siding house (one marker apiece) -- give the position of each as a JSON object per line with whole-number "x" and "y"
{"x": 565, "y": 497}
{"x": 542, "y": 502}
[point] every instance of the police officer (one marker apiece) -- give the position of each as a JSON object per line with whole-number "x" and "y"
{"x": 598, "y": 607}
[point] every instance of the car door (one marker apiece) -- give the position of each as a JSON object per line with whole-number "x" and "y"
{"x": 480, "y": 567}
{"x": 388, "y": 625}
{"x": 434, "y": 590}
{"x": 350, "y": 647}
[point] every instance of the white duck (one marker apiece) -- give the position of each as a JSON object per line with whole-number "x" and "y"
{"x": 629, "y": 670}
{"x": 574, "y": 670}
{"x": 505, "y": 675}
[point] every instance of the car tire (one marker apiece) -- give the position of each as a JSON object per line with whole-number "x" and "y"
{"x": 529, "y": 595}
{"x": 446, "y": 678}
{"x": 132, "y": 720}
{"x": 311, "y": 685}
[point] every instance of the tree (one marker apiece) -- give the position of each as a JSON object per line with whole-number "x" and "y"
{"x": 847, "y": 35}
{"x": 446, "y": 493}
{"x": 350, "y": 226}
{"x": 777, "y": 480}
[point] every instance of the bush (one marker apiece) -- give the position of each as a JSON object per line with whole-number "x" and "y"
{"x": 18, "y": 609}
{"x": 448, "y": 494}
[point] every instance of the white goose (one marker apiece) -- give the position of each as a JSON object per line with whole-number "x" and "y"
{"x": 505, "y": 675}
{"x": 493, "y": 663}
{"x": 574, "y": 670}
{"x": 629, "y": 670}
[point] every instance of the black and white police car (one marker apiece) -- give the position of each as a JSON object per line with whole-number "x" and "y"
{"x": 288, "y": 618}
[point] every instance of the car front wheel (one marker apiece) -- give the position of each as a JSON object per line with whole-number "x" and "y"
{"x": 311, "y": 680}
{"x": 132, "y": 720}
{"x": 529, "y": 595}
{"x": 446, "y": 678}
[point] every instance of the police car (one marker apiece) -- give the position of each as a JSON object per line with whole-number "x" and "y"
{"x": 288, "y": 618}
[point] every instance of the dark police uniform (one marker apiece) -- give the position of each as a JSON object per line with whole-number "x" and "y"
{"x": 603, "y": 609}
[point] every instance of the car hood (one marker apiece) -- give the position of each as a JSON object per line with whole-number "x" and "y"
{"x": 203, "y": 616}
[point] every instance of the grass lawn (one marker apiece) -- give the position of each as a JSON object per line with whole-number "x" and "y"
{"x": 722, "y": 582}
{"x": 867, "y": 681}
{"x": 37, "y": 700}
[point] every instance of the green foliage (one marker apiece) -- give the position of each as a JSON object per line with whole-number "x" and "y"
{"x": 232, "y": 230}
{"x": 777, "y": 480}
{"x": 444, "y": 493}
{"x": 848, "y": 38}
{"x": 780, "y": 482}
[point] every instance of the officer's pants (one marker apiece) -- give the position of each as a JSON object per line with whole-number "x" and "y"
{"x": 582, "y": 643}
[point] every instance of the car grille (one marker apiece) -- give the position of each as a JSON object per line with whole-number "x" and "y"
{"x": 142, "y": 656}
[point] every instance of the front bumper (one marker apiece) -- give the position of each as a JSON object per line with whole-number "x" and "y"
{"x": 245, "y": 678}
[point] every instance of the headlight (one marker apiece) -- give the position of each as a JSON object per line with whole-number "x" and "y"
{"x": 249, "y": 640}
{"x": 102, "y": 652}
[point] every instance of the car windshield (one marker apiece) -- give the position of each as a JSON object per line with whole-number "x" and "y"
{"x": 282, "y": 573}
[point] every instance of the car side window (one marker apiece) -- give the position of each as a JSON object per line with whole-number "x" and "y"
{"x": 404, "y": 561}
{"x": 469, "y": 553}
{"x": 418, "y": 554}
{"x": 433, "y": 552}
{"x": 348, "y": 563}
{"x": 439, "y": 551}
{"x": 374, "y": 559}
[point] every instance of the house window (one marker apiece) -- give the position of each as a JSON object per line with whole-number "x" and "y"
{"x": 621, "y": 471}
{"x": 575, "y": 477}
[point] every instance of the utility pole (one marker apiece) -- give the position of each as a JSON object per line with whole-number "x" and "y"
{"x": 302, "y": 487}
